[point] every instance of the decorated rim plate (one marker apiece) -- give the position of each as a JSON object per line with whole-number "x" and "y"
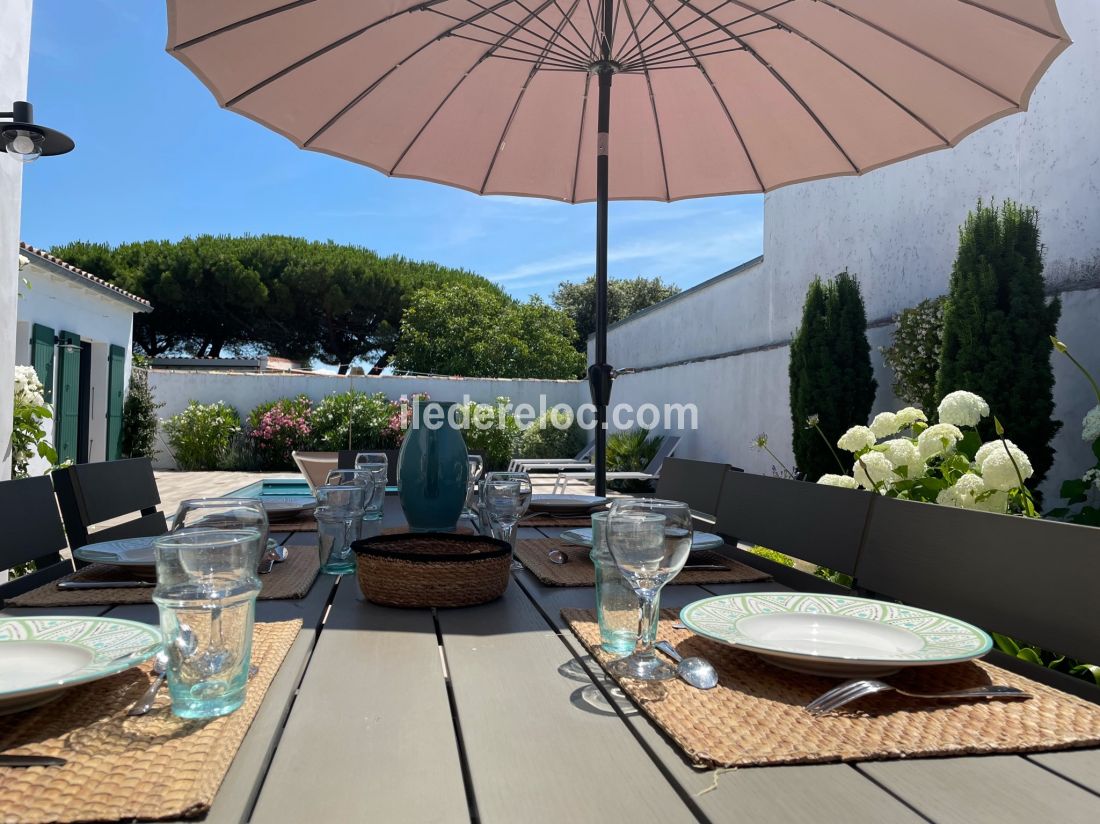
{"x": 582, "y": 536}
{"x": 835, "y": 635}
{"x": 286, "y": 507}
{"x": 42, "y": 657}
{"x": 565, "y": 503}
{"x": 126, "y": 552}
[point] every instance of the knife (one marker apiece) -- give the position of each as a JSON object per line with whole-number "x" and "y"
{"x": 31, "y": 761}
{"x": 104, "y": 584}
{"x": 705, "y": 568}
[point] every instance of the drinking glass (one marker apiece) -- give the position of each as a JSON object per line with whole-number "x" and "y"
{"x": 377, "y": 461}
{"x": 374, "y": 499}
{"x": 616, "y": 601}
{"x": 505, "y": 497}
{"x": 476, "y": 465}
{"x": 206, "y": 595}
{"x": 223, "y": 513}
{"x": 648, "y": 558}
{"x": 339, "y": 514}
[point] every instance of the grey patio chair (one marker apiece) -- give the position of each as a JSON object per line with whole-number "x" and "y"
{"x": 581, "y": 461}
{"x": 93, "y": 493}
{"x": 696, "y": 483}
{"x": 32, "y": 532}
{"x": 651, "y": 473}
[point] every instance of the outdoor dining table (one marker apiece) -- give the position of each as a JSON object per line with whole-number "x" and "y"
{"x": 495, "y": 713}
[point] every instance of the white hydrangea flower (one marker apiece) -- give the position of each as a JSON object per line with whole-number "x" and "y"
{"x": 28, "y": 388}
{"x": 903, "y": 452}
{"x": 1090, "y": 426}
{"x": 987, "y": 449}
{"x": 999, "y": 468}
{"x": 1091, "y": 478}
{"x": 909, "y": 416}
{"x": 873, "y": 469}
{"x": 938, "y": 439}
{"x": 963, "y": 409}
{"x": 843, "y": 481}
{"x": 885, "y": 424}
{"x": 856, "y": 439}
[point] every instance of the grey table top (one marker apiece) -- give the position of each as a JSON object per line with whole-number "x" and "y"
{"x": 486, "y": 714}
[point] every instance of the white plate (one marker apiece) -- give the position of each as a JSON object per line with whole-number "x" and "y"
{"x": 286, "y": 507}
{"x": 124, "y": 552}
{"x": 835, "y": 635}
{"x": 565, "y": 503}
{"x": 42, "y": 657}
{"x": 582, "y": 536}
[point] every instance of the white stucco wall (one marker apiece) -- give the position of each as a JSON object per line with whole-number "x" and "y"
{"x": 896, "y": 229}
{"x": 63, "y": 304}
{"x": 15, "y": 23}
{"x": 245, "y": 391}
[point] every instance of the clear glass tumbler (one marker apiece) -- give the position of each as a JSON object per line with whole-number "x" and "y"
{"x": 339, "y": 517}
{"x": 206, "y": 594}
{"x": 616, "y": 600}
{"x": 375, "y": 497}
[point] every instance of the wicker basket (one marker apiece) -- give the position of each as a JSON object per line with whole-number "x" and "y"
{"x": 432, "y": 569}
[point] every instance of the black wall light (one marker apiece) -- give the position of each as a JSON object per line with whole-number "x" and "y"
{"x": 26, "y": 140}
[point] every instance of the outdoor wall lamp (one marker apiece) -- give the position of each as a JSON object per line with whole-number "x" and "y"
{"x": 29, "y": 141}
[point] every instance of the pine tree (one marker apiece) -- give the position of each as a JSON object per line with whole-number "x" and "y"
{"x": 831, "y": 376}
{"x": 997, "y": 328}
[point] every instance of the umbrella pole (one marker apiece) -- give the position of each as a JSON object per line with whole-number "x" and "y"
{"x": 599, "y": 374}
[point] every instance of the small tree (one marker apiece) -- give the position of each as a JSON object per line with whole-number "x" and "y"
{"x": 914, "y": 355}
{"x": 830, "y": 371}
{"x": 625, "y": 296}
{"x": 139, "y": 415}
{"x": 998, "y": 327}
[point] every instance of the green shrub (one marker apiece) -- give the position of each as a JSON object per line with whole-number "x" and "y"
{"x": 300, "y": 405}
{"x": 199, "y": 437}
{"x": 495, "y": 439}
{"x": 914, "y": 354}
{"x": 631, "y": 452}
{"x": 356, "y": 420}
{"x": 278, "y": 429}
{"x": 773, "y": 555}
{"x": 139, "y": 415}
{"x": 544, "y": 439}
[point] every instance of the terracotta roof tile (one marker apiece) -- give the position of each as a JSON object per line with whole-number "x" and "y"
{"x": 81, "y": 273}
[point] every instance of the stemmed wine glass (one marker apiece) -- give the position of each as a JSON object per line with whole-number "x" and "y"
{"x": 505, "y": 497}
{"x": 476, "y": 465}
{"x": 650, "y": 540}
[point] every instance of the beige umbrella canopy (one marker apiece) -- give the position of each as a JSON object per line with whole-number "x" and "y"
{"x": 710, "y": 96}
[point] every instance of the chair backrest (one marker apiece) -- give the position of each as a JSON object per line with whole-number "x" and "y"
{"x": 32, "y": 532}
{"x": 665, "y": 451}
{"x": 586, "y": 453}
{"x": 315, "y": 466}
{"x": 92, "y": 493}
{"x": 345, "y": 459}
{"x": 1030, "y": 579}
{"x": 696, "y": 483}
{"x": 823, "y": 525}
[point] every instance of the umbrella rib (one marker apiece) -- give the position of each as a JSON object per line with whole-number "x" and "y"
{"x": 717, "y": 96}
{"x": 1011, "y": 19}
{"x": 540, "y": 46}
{"x": 580, "y": 55}
{"x": 782, "y": 80}
{"x": 485, "y": 55}
{"x": 573, "y": 26}
{"x": 244, "y": 22}
{"x": 519, "y": 100}
{"x": 526, "y": 56}
{"x": 653, "y": 106}
{"x": 580, "y": 136}
{"x": 355, "y": 101}
{"x": 829, "y": 53}
{"x": 912, "y": 46}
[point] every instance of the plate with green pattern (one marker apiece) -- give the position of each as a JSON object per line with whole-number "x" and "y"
{"x": 835, "y": 635}
{"x": 41, "y": 657}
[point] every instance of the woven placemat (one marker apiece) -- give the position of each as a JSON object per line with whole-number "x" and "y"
{"x": 290, "y": 579}
{"x": 755, "y": 715}
{"x": 579, "y": 571}
{"x": 120, "y": 768}
{"x": 551, "y": 519}
{"x": 301, "y": 525}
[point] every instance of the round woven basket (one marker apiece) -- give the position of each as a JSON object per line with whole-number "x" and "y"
{"x": 432, "y": 569}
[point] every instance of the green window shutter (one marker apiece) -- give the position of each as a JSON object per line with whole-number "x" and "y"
{"x": 67, "y": 408}
{"x": 42, "y": 357}
{"x": 115, "y": 390}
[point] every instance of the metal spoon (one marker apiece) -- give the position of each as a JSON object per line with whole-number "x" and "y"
{"x": 558, "y": 557}
{"x": 698, "y": 672}
{"x": 160, "y": 670}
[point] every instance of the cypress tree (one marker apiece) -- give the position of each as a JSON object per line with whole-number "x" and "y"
{"x": 997, "y": 328}
{"x": 830, "y": 371}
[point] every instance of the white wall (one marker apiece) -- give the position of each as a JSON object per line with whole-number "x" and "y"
{"x": 63, "y": 304}
{"x": 245, "y": 391}
{"x": 15, "y": 42}
{"x": 896, "y": 229}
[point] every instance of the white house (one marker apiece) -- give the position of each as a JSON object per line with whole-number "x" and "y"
{"x": 76, "y": 330}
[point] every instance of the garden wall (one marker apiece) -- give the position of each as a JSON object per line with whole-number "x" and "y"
{"x": 724, "y": 344}
{"x": 245, "y": 391}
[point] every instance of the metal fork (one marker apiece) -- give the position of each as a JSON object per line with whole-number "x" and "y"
{"x": 854, "y": 690}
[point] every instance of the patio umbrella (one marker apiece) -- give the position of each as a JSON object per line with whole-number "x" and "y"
{"x": 711, "y": 97}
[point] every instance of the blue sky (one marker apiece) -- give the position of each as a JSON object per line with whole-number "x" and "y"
{"x": 157, "y": 158}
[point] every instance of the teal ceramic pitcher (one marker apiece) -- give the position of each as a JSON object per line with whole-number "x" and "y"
{"x": 432, "y": 469}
